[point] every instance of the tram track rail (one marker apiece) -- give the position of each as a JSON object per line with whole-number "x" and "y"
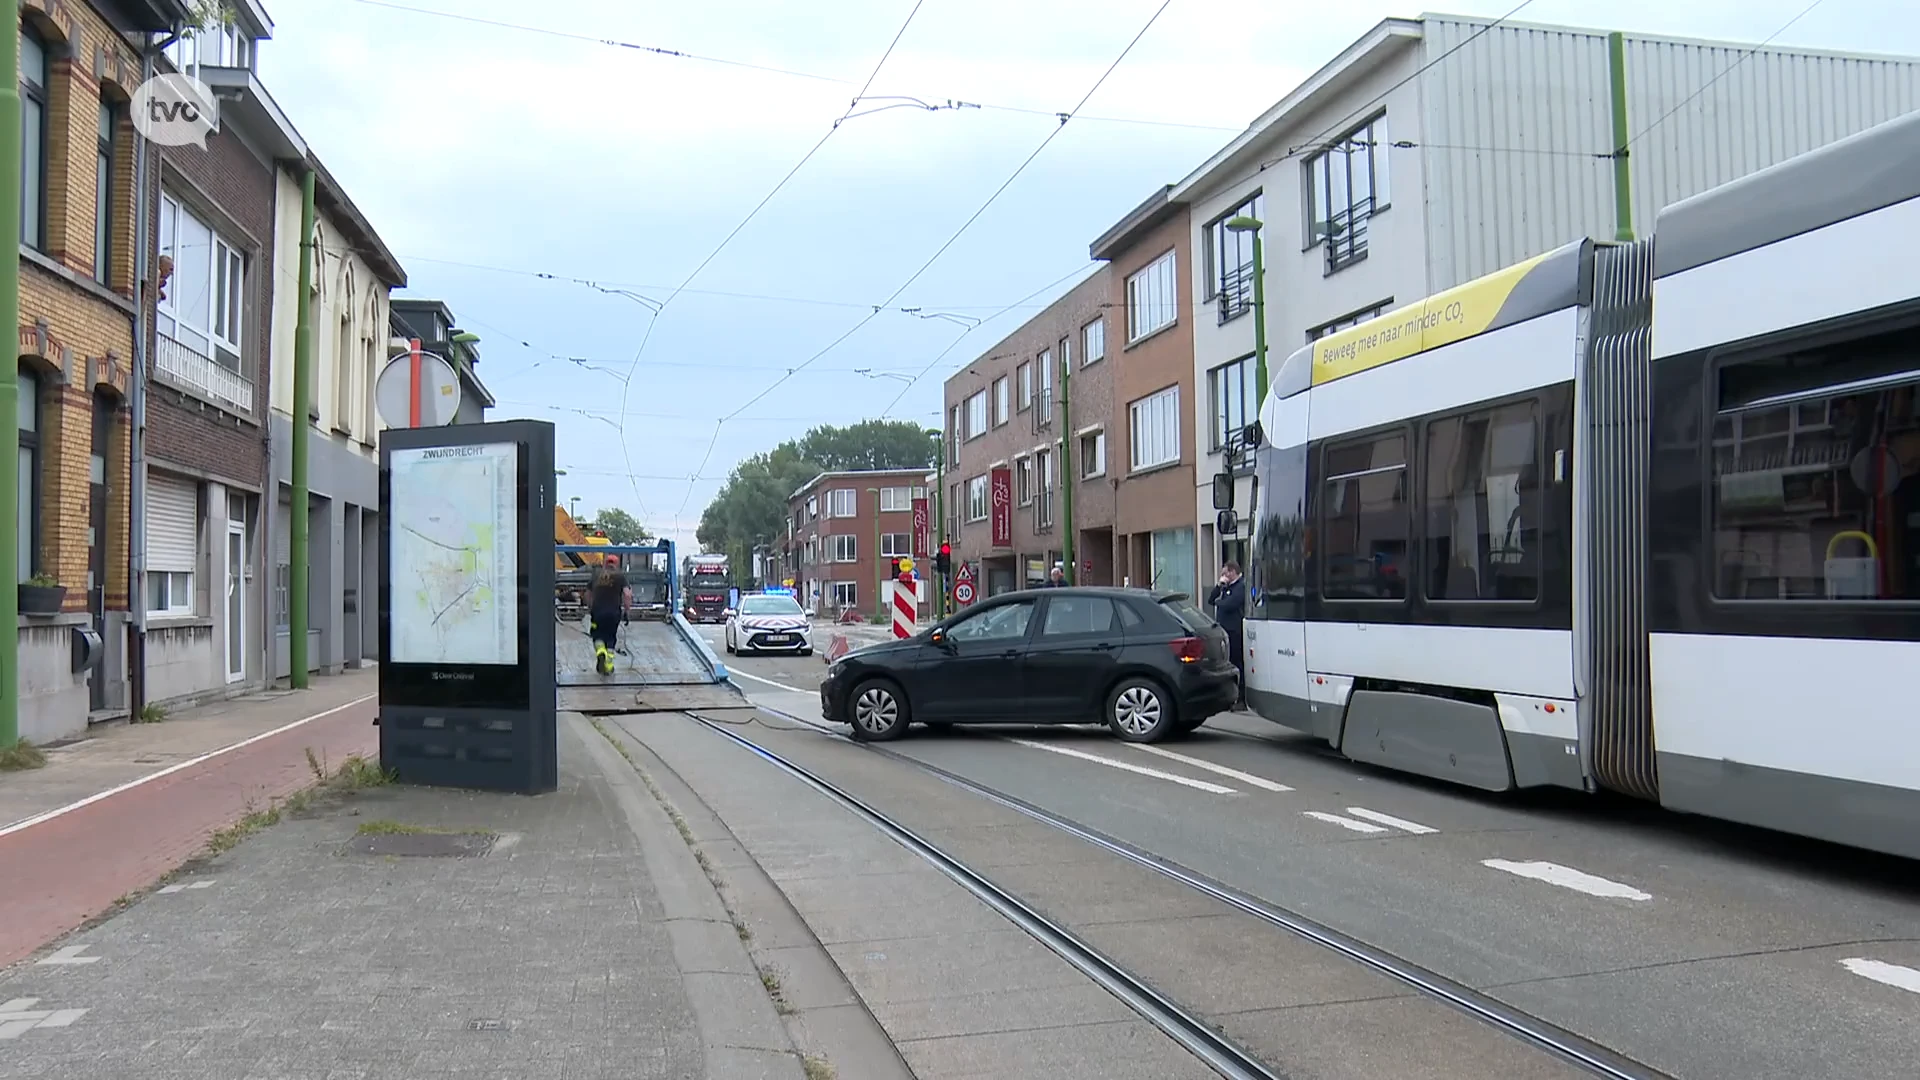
{"x": 1185, "y": 1027}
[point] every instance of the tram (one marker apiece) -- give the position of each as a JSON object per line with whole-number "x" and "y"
{"x": 1641, "y": 517}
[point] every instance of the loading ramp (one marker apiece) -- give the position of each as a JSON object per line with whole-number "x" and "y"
{"x": 663, "y": 664}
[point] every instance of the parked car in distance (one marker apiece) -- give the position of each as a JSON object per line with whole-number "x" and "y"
{"x": 1150, "y": 665}
{"x": 769, "y": 623}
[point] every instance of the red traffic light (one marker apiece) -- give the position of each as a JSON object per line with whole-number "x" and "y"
{"x": 946, "y": 549}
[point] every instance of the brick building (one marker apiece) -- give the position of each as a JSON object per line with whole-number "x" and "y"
{"x": 1006, "y": 410}
{"x": 78, "y": 71}
{"x": 843, "y": 530}
{"x": 208, "y": 405}
{"x": 1150, "y": 293}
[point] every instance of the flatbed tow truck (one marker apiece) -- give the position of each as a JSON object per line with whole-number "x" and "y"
{"x": 663, "y": 664}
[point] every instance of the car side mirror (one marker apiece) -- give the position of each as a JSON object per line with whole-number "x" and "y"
{"x": 1223, "y": 491}
{"x": 937, "y": 636}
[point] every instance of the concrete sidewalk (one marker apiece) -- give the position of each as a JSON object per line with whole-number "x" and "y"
{"x": 109, "y": 816}
{"x": 416, "y": 933}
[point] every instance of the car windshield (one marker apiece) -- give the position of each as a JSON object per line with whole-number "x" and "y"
{"x": 769, "y": 605}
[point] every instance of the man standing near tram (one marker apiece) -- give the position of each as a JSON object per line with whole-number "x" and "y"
{"x": 1229, "y": 602}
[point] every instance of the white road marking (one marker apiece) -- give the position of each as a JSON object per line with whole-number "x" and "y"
{"x": 1568, "y": 878}
{"x": 1246, "y": 778}
{"x": 736, "y": 672}
{"x": 70, "y": 955}
{"x": 1344, "y": 822}
{"x": 36, "y": 819}
{"x": 1402, "y": 824}
{"x": 1112, "y": 764}
{"x": 1880, "y": 971}
{"x": 17, "y": 1017}
{"x": 179, "y": 886}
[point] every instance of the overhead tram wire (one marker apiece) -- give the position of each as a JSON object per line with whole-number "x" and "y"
{"x": 1744, "y": 56}
{"x": 951, "y": 240}
{"x": 594, "y": 39}
{"x": 751, "y": 214}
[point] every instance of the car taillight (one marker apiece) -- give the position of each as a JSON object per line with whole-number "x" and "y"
{"x": 1190, "y": 650}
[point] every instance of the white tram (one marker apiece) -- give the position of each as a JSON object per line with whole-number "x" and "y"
{"x": 1642, "y": 517}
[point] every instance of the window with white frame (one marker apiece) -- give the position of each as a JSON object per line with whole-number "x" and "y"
{"x": 1346, "y": 186}
{"x": 1066, "y": 354}
{"x": 1043, "y": 467}
{"x": 1093, "y": 454}
{"x": 1153, "y": 298}
{"x": 1023, "y": 479}
{"x": 202, "y": 305}
{"x": 977, "y": 499}
{"x": 896, "y": 545}
{"x": 812, "y": 551}
{"x": 1093, "y": 342}
{"x": 843, "y": 502}
{"x": 173, "y": 543}
{"x": 846, "y": 594}
{"x": 1154, "y": 429}
{"x": 1348, "y": 322}
{"x": 813, "y": 508}
{"x": 1230, "y": 389}
{"x": 1000, "y": 401}
{"x": 1229, "y": 256}
{"x": 977, "y": 415}
{"x": 953, "y": 436}
{"x": 843, "y": 547}
{"x": 1026, "y": 385}
{"x": 1045, "y": 364}
{"x": 223, "y": 46}
{"x": 900, "y": 498}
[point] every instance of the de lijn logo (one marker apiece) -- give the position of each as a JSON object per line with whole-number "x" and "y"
{"x": 175, "y": 110}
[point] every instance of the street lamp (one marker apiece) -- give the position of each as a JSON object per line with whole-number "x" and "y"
{"x": 1245, "y": 224}
{"x": 573, "y": 508}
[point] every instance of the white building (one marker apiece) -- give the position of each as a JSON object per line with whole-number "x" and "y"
{"x": 353, "y": 277}
{"x": 1435, "y": 150}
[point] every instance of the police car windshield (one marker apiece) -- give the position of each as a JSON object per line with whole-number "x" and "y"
{"x": 769, "y": 605}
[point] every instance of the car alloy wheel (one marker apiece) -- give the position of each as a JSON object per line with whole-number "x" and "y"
{"x": 1138, "y": 711}
{"x": 878, "y": 712}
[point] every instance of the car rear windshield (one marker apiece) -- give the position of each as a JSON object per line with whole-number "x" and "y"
{"x": 1190, "y": 615}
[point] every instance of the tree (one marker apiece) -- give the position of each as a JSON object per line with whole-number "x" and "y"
{"x": 621, "y": 527}
{"x": 751, "y": 508}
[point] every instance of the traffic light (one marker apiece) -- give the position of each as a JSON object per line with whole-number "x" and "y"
{"x": 944, "y": 561}
{"x": 893, "y": 570}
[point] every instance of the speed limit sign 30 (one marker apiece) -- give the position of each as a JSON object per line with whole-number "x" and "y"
{"x": 963, "y": 592}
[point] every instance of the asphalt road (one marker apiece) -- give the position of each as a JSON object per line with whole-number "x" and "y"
{"x": 1699, "y": 949}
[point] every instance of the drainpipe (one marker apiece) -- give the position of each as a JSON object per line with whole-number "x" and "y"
{"x": 10, "y": 397}
{"x": 297, "y": 675}
{"x": 1622, "y": 176}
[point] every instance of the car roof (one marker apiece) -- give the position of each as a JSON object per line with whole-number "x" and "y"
{"x": 1156, "y": 595}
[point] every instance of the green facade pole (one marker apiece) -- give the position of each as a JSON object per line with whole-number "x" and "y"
{"x": 10, "y": 395}
{"x": 1622, "y": 176}
{"x": 1066, "y": 472}
{"x": 298, "y": 570}
{"x": 879, "y": 563}
{"x": 939, "y": 523}
{"x": 1259, "y": 324}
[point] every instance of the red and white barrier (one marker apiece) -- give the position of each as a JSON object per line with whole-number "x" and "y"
{"x": 904, "y": 604}
{"x": 837, "y": 647}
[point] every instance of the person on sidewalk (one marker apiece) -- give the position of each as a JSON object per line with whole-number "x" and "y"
{"x": 1229, "y": 602}
{"x": 1058, "y": 579}
{"x": 608, "y": 600}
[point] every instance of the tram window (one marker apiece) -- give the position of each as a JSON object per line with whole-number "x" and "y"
{"x": 1366, "y": 518}
{"x": 1483, "y": 505}
{"x": 1816, "y": 474}
{"x": 1279, "y": 539}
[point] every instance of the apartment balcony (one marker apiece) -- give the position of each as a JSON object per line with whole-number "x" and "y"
{"x": 185, "y": 367}
{"x": 1236, "y": 293}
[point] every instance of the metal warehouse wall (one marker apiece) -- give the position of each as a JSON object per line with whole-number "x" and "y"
{"x": 1518, "y": 123}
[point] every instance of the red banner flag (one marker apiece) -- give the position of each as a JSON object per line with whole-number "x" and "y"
{"x": 1002, "y": 507}
{"x": 922, "y": 530}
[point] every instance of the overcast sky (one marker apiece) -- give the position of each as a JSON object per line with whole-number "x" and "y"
{"x": 486, "y": 155}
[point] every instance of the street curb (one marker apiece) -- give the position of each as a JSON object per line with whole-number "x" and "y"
{"x": 825, "y": 1015}
{"x": 740, "y": 1031}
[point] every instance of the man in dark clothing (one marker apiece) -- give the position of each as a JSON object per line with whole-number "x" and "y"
{"x": 1229, "y": 602}
{"x": 1058, "y": 578}
{"x": 608, "y": 599}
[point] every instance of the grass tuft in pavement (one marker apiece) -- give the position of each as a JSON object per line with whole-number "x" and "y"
{"x": 149, "y": 713}
{"x": 21, "y": 756}
{"x": 817, "y": 1067}
{"x": 224, "y": 840}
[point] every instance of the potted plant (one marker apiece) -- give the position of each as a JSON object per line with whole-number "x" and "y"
{"x": 41, "y": 595}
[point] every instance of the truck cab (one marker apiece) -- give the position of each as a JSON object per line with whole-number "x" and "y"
{"x": 706, "y": 588}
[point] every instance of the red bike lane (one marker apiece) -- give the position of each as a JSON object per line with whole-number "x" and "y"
{"x": 57, "y": 873}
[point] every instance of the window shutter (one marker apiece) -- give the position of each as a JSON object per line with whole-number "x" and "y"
{"x": 173, "y": 529}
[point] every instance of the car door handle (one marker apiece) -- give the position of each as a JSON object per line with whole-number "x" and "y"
{"x": 1105, "y": 646}
{"x": 1010, "y": 654}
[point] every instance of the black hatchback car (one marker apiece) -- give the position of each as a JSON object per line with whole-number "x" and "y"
{"x": 1149, "y": 665}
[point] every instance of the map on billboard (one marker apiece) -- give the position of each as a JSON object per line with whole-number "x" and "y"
{"x": 454, "y": 555}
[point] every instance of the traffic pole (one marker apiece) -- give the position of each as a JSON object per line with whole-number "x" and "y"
{"x": 297, "y": 509}
{"x": 10, "y": 397}
{"x": 1067, "y": 475}
{"x": 413, "y": 382}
